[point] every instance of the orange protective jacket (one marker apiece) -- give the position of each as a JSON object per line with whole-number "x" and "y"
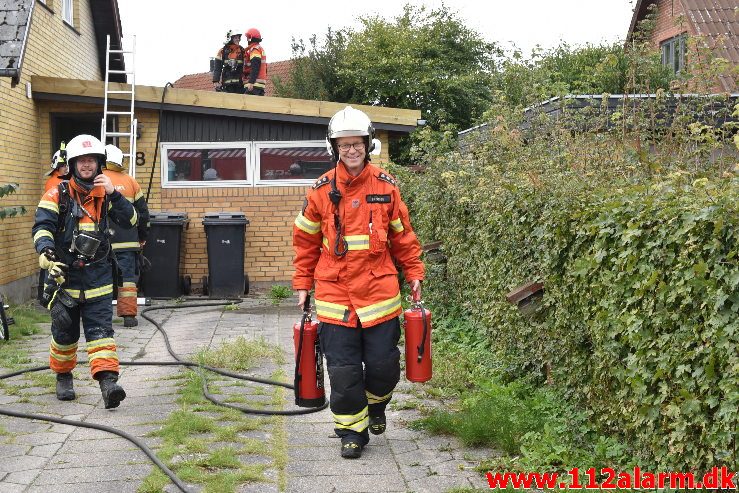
{"x": 53, "y": 180}
{"x": 361, "y": 286}
{"x": 255, "y": 65}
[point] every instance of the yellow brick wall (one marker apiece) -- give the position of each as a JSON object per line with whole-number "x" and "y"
{"x": 53, "y": 49}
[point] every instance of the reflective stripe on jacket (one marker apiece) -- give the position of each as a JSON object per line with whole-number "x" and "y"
{"x": 362, "y": 285}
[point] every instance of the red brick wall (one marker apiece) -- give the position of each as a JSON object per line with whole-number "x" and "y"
{"x": 671, "y": 21}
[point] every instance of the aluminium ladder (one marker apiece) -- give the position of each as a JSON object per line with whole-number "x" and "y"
{"x": 125, "y": 93}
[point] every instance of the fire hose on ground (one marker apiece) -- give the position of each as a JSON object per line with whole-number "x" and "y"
{"x": 178, "y": 362}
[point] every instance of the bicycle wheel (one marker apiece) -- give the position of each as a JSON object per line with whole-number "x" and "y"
{"x": 4, "y": 321}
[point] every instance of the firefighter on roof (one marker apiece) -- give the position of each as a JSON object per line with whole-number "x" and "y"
{"x": 255, "y": 64}
{"x": 352, "y": 226}
{"x": 228, "y": 71}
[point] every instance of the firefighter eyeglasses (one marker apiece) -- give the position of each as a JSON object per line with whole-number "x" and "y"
{"x": 358, "y": 146}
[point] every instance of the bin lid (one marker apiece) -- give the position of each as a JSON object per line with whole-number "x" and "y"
{"x": 224, "y": 218}
{"x": 168, "y": 217}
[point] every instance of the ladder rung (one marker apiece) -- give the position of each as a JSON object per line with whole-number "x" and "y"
{"x": 120, "y": 92}
{"x": 126, "y": 52}
{"x": 120, "y": 113}
{"x": 118, "y": 134}
{"x": 120, "y": 72}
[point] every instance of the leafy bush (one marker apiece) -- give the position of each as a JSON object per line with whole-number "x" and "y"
{"x": 633, "y": 226}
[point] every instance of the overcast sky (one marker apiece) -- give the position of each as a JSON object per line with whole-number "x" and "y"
{"x": 176, "y": 37}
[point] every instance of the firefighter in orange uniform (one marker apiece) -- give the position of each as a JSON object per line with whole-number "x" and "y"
{"x": 59, "y": 169}
{"x": 70, "y": 236}
{"x": 353, "y": 224}
{"x": 228, "y": 71}
{"x": 127, "y": 243}
{"x": 255, "y": 64}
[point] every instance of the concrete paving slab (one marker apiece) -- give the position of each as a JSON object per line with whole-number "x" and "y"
{"x": 22, "y": 477}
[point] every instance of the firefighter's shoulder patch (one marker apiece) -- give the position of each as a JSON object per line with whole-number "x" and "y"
{"x": 386, "y": 178}
{"x": 320, "y": 182}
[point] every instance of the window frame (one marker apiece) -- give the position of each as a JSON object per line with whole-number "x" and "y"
{"x": 673, "y": 52}
{"x": 251, "y": 162}
{"x": 68, "y": 7}
{"x": 256, "y": 162}
{"x": 164, "y": 151}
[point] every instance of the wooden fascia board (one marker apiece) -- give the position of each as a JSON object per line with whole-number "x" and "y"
{"x": 270, "y": 107}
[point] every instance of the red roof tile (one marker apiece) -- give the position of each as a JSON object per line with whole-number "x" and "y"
{"x": 202, "y": 81}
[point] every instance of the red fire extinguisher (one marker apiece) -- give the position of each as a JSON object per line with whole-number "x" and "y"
{"x": 417, "y": 325}
{"x": 309, "y": 391}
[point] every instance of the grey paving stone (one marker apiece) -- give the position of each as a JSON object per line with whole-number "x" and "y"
{"x": 101, "y": 487}
{"x": 427, "y": 457}
{"x": 258, "y": 488}
{"x": 113, "y": 457}
{"x": 412, "y": 472}
{"x": 402, "y": 446}
{"x": 340, "y": 467}
{"x": 11, "y": 488}
{"x": 45, "y": 450}
{"x": 96, "y": 474}
{"x": 12, "y": 450}
{"x": 437, "y": 484}
{"x": 21, "y": 463}
{"x": 22, "y": 477}
{"x": 42, "y": 438}
{"x": 96, "y": 446}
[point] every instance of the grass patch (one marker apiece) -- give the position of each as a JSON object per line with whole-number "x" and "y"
{"x": 27, "y": 317}
{"x": 241, "y": 354}
{"x": 497, "y": 415}
{"x": 278, "y": 292}
{"x": 193, "y": 436}
{"x": 13, "y": 355}
{"x": 535, "y": 427}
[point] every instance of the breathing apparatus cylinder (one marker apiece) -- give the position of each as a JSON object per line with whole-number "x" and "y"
{"x": 309, "y": 390}
{"x": 417, "y": 326}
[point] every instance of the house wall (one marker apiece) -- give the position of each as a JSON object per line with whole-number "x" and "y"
{"x": 53, "y": 49}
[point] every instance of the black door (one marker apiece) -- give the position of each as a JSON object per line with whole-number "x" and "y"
{"x": 65, "y": 126}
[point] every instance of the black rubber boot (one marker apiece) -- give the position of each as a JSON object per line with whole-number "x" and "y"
{"x": 130, "y": 321}
{"x": 65, "y": 387}
{"x": 113, "y": 393}
{"x": 377, "y": 424}
{"x": 351, "y": 447}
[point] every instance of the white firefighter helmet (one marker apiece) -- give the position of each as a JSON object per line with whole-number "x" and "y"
{"x": 84, "y": 145}
{"x": 349, "y": 122}
{"x": 58, "y": 160}
{"x": 231, "y": 33}
{"x": 114, "y": 157}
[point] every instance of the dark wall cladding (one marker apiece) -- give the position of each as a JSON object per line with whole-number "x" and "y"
{"x": 190, "y": 127}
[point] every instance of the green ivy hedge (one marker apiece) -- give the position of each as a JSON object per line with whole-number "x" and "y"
{"x": 640, "y": 318}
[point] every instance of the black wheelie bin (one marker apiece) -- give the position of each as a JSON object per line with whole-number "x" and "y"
{"x": 163, "y": 250}
{"x": 225, "y": 232}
